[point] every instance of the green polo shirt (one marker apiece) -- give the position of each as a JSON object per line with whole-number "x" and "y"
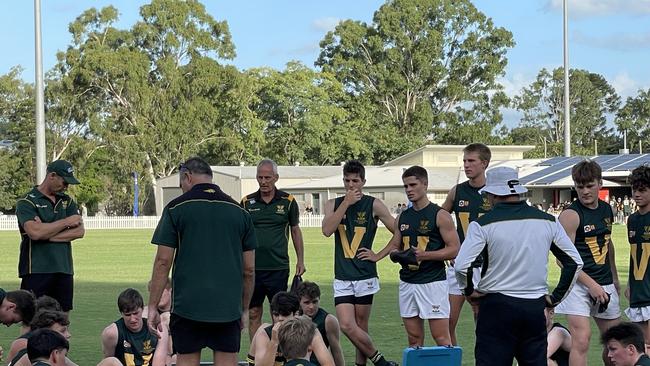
{"x": 44, "y": 256}
{"x": 209, "y": 232}
{"x": 272, "y": 222}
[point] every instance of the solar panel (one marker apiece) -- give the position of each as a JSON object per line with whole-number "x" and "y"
{"x": 630, "y": 165}
{"x": 619, "y": 160}
{"x": 564, "y": 165}
{"x": 602, "y": 159}
{"x": 553, "y": 161}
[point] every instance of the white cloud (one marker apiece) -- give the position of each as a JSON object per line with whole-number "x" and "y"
{"x": 625, "y": 86}
{"x": 513, "y": 84}
{"x": 325, "y": 24}
{"x": 586, "y": 8}
{"x": 615, "y": 41}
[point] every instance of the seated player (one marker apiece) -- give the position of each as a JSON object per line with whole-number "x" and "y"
{"x": 326, "y": 323}
{"x": 20, "y": 344}
{"x": 46, "y": 347}
{"x": 625, "y": 345}
{"x": 558, "y": 341}
{"x": 294, "y": 337}
{"x": 264, "y": 349}
{"x": 128, "y": 339}
{"x": 44, "y": 319}
{"x": 16, "y": 306}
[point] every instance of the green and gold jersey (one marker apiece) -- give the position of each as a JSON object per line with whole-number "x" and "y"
{"x": 468, "y": 206}
{"x": 135, "y": 349}
{"x": 209, "y": 232}
{"x": 638, "y": 233}
{"x": 44, "y": 256}
{"x": 419, "y": 229}
{"x": 356, "y": 230}
{"x": 272, "y": 222}
{"x": 592, "y": 240}
{"x": 319, "y": 321}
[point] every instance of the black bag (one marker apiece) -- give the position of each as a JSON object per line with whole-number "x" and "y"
{"x": 404, "y": 257}
{"x": 297, "y": 280}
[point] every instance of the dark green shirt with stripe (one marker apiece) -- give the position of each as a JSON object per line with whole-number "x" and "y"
{"x": 135, "y": 349}
{"x": 638, "y": 234}
{"x": 319, "y": 321}
{"x": 419, "y": 229}
{"x": 356, "y": 230}
{"x": 468, "y": 205}
{"x": 592, "y": 240}
{"x": 44, "y": 256}
{"x": 272, "y": 222}
{"x": 210, "y": 232}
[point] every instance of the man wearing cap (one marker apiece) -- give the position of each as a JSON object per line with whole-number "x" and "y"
{"x": 48, "y": 220}
{"x": 514, "y": 239}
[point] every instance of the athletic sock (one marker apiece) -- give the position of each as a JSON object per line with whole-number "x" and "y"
{"x": 359, "y": 364}
{"x": 378, "y": 359}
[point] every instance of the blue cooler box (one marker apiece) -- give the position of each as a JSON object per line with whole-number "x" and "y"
{"x": 432, "y": 356}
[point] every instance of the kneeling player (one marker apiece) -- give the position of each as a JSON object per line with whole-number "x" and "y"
{"x": 429, "y": 232}
{"x": 264, "y": 349}
{"x": 327, "y": 324}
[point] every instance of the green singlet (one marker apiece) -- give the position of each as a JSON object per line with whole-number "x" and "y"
{"x": 638, "y": 233}
{"x": 356, "y": 230}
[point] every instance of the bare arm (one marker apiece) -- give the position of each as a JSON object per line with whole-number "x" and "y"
{"x": 394, "y": 244}
{"x": 333, "y": 217}
{"x": 299, "y": 246}
{"x": 249, "y": 283}
{"x": 162, "y": 349}
{"x": 448, "y": 205}
{"x": 449, "y": 236}
{"x": 333, "y": 338}
{"x": 16, "y": 345}
{"x": 612, "y": 263}
{"x": 321, "y": 352}
{"x": 109, "y": 340}
{"x": 380, "y": 210}
{"x": 71, "y": 234}
{"x": 558, "y": 338}
{"x": 38, "y": 230}
{"x": 570, "y": 221}
{"x": 265, "y": 348}
{"x": 161, "y": 266}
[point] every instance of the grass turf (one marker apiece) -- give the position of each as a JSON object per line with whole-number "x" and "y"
{"x": 108, "y": 261}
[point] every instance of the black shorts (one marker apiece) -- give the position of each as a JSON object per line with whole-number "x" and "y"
{"x": 267, "y": 284}
{"x": 351, "y": 299}
{"x": 56, "y": 285}
{"x": 191, "y": 336}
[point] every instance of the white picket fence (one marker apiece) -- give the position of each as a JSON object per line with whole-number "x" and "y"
{"x": 9, "y": 222}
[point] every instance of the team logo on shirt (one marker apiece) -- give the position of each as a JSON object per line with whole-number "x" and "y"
{"x": 486, "y": 206}
{"x": 279, "y": 209}
{"x": 588, "y": 228}
{"x": 608, "y": 223}
{"x": 251, "y": 202}
{"x": 435, "y": 308}
{"x": 403, "y": 227}
{"x": 126, "y": 344}
{"x": 631, "y": 234}
{"x": 146, "y": 347}
{"x": 463, "y": 203}
{"x": 64, "y": 204}
{"x": 361, "y": 218}
{"x": 646, "y": 233}
{"x": 424, "y": 226}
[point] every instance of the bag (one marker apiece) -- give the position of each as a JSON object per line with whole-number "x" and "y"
{"x": 405, "y": 257}
{"x": 297, "y": 280}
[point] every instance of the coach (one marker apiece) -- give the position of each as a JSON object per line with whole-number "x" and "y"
{"x": 211, "y": 242}
{"x": 514, "y": 239}
{"x": 48, "y": 220}
{"x": 275, "y": 213}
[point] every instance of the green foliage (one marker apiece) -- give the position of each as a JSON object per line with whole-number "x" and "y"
{"x": 634, "y": 119}
{"x": 424, "y": 69}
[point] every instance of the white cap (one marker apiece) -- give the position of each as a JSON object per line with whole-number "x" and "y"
{"x": 503, "y": 181}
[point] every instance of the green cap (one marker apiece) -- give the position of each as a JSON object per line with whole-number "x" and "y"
{"x": 64, "y": 170}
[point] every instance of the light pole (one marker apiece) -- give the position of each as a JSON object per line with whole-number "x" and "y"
{"x": 567, "y": 117}
{"x": 40, "y": 108}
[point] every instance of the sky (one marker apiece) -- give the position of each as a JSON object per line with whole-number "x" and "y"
{"x": 609, "y": 37}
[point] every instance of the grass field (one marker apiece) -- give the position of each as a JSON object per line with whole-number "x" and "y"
{"x": 108, "y": 261}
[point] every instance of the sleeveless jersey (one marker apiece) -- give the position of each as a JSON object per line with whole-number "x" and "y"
{"x": 279, "y": 358}
{"x": 419, "y": 230}
{"x": 300, "y": 362}
{"x": 319, "y": 320}
{"x": 592, "y": 240}
{"x": 356, "y": 230}
{"x": 561, "y": 357}
{"x": 638, "y": 234}
{"x": 135, "y": 349}
{"x": 468, "y": 206}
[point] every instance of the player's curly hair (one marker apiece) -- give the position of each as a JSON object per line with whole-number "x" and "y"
{"x": 309, "y": 290}
{"x": 640, "y": 177}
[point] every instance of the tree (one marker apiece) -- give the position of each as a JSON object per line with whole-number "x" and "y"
{"x": 423, "y": 69}
{"x": 304, "y": 114}
{"x": 591, "y": 100}
{"x": 634, "y": 119}
{"x": 155, "y": 94}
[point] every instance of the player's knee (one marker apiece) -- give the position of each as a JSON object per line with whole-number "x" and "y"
{"x": 580, "y": 342}
{"x": 255, "y": 313}
{"x": 348, "y": 326}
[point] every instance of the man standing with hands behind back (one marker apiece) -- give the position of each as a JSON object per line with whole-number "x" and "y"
{"x": 275, "y": 213}
{"x": 48, "y": 220}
